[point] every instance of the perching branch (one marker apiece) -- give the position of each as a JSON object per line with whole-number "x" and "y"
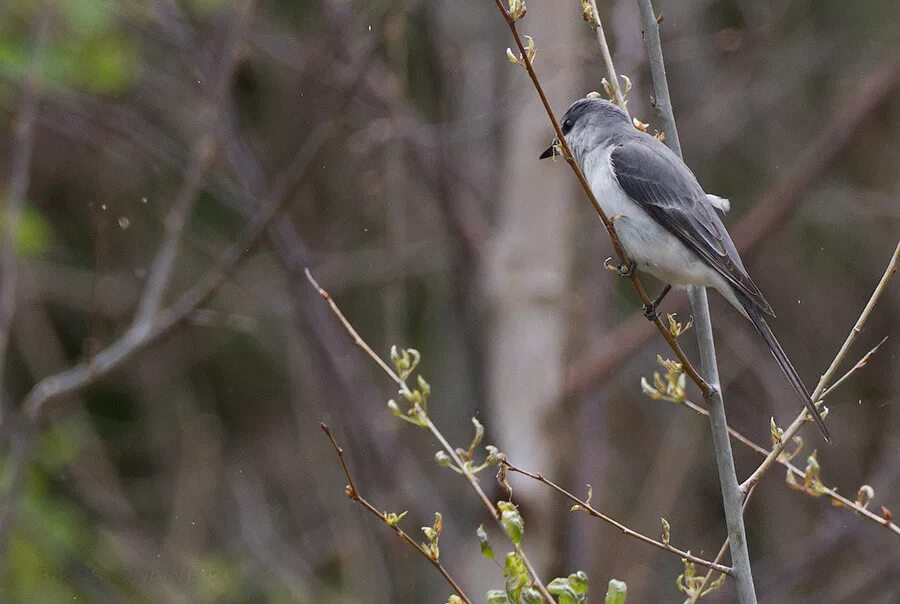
{"x": 457, "y": 463}
{"x": 720, "y": 555}
{"x": 610, "y": 228}
{"x": 829, "y": 373}
{"x": 586, "y": 507}
{"x": 353, "y": 493}
{"x": 732, "y": 496}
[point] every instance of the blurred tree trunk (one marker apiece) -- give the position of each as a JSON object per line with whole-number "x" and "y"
{"x": 528, "y": 267}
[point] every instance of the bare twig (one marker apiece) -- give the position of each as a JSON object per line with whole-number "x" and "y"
{"x": 594, "y": 21}
{"x": 859, "y": 365}
{"x": 458, "y": 463}
{"x": 787, "y": 436}
{"x": 731, "y": 493}
{"x": 610, "y": 228}
{"x": 353, "y": 493}
{"x": 834, "y": 496}
{"x": 732, "y": 496}
{"x": 589, "y": 509}
{"x": 829, "y": 373}
{"x": 660, "y": 101}
{"x": 23, "y": 145}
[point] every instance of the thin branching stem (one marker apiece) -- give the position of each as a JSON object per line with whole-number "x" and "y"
{"x": 788, "y": 435}
{"x": 857, "y": 367}
{"x": 804, "y": 417}
{"x": 610, "y": 228}
{"x": 353, "y": 493}
{"x": 732, "y": 496}
{"x": 835, "y": 497}
{"x": 719, "y": 556}
{"x": 590, "y": 510}
{"x": 597, "y": 26}
{"x": 458, "y": 463}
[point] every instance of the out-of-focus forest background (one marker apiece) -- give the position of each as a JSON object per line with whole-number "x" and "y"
{"x": 403, "y": 147}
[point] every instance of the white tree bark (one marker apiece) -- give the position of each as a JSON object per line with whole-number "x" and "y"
{"x": 528, "y": 263}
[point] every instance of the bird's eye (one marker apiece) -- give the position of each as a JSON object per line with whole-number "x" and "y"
{"x": 567, "y": 125}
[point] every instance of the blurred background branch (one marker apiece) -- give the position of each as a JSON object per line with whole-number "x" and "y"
{"x": 194, "y": 471}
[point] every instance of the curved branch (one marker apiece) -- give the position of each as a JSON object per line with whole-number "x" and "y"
{"x": 586, "y": 506}
{"x": 353, "y": 493}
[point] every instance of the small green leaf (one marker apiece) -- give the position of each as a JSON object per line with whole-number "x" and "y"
{"x": 516, "y": 575}
{"x": 442, "y": 459}
{"x": 579, "y": 582}
{"x": 393, "y": 519}
{"x": 424, "y": 387}
{"x": 564, "y": 593}
{"x": 479, "y": 436}
{"x": 486, "y": 550}
{"x": 497, "y": 596}
{"x": 512, "y": 521}
{"x": 616, "y": 592}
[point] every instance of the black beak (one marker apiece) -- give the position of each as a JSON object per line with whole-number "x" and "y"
{"x": 550, "y": 152}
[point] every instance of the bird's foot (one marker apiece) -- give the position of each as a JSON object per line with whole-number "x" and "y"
{"x": 651, "y": 311}
{"x": 623, "y": 270}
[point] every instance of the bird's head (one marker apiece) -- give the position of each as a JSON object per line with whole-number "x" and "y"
{"x": 589, "y": 123}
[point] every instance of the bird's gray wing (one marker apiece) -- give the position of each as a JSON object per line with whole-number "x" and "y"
{"x": 660, "y": 183}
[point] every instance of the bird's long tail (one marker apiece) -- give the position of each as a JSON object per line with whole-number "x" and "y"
{"x": 755, "y": 314}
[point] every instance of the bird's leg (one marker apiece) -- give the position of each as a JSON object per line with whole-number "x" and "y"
{"x": 623, "y": 270}
{"x": 651, "y": 311}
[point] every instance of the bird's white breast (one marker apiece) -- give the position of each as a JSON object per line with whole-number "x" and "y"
{"x": 649, "y": 244}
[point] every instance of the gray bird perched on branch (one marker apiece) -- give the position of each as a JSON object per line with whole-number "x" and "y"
{"x": 665, "y": 221}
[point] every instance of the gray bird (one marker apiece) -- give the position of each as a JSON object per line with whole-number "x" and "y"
{"x": 667, "y": 224}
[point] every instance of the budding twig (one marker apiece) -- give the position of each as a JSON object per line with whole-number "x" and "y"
{"x": 826, "y": 378}
{"x": 593, "y": 19}
{"x": 353, "y": 493}
{"x": 458, "y": 463}
{"x": 586, "y": 506}
{"x": 828, "y": 492}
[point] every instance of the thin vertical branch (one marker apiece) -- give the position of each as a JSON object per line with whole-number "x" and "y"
{"x": 23, "y": 146}
{"x": 662, "y": 104}
{"x": 594, "y": 21}
{"x": 732, "y": 496}
{"x": 353, "y": 493}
